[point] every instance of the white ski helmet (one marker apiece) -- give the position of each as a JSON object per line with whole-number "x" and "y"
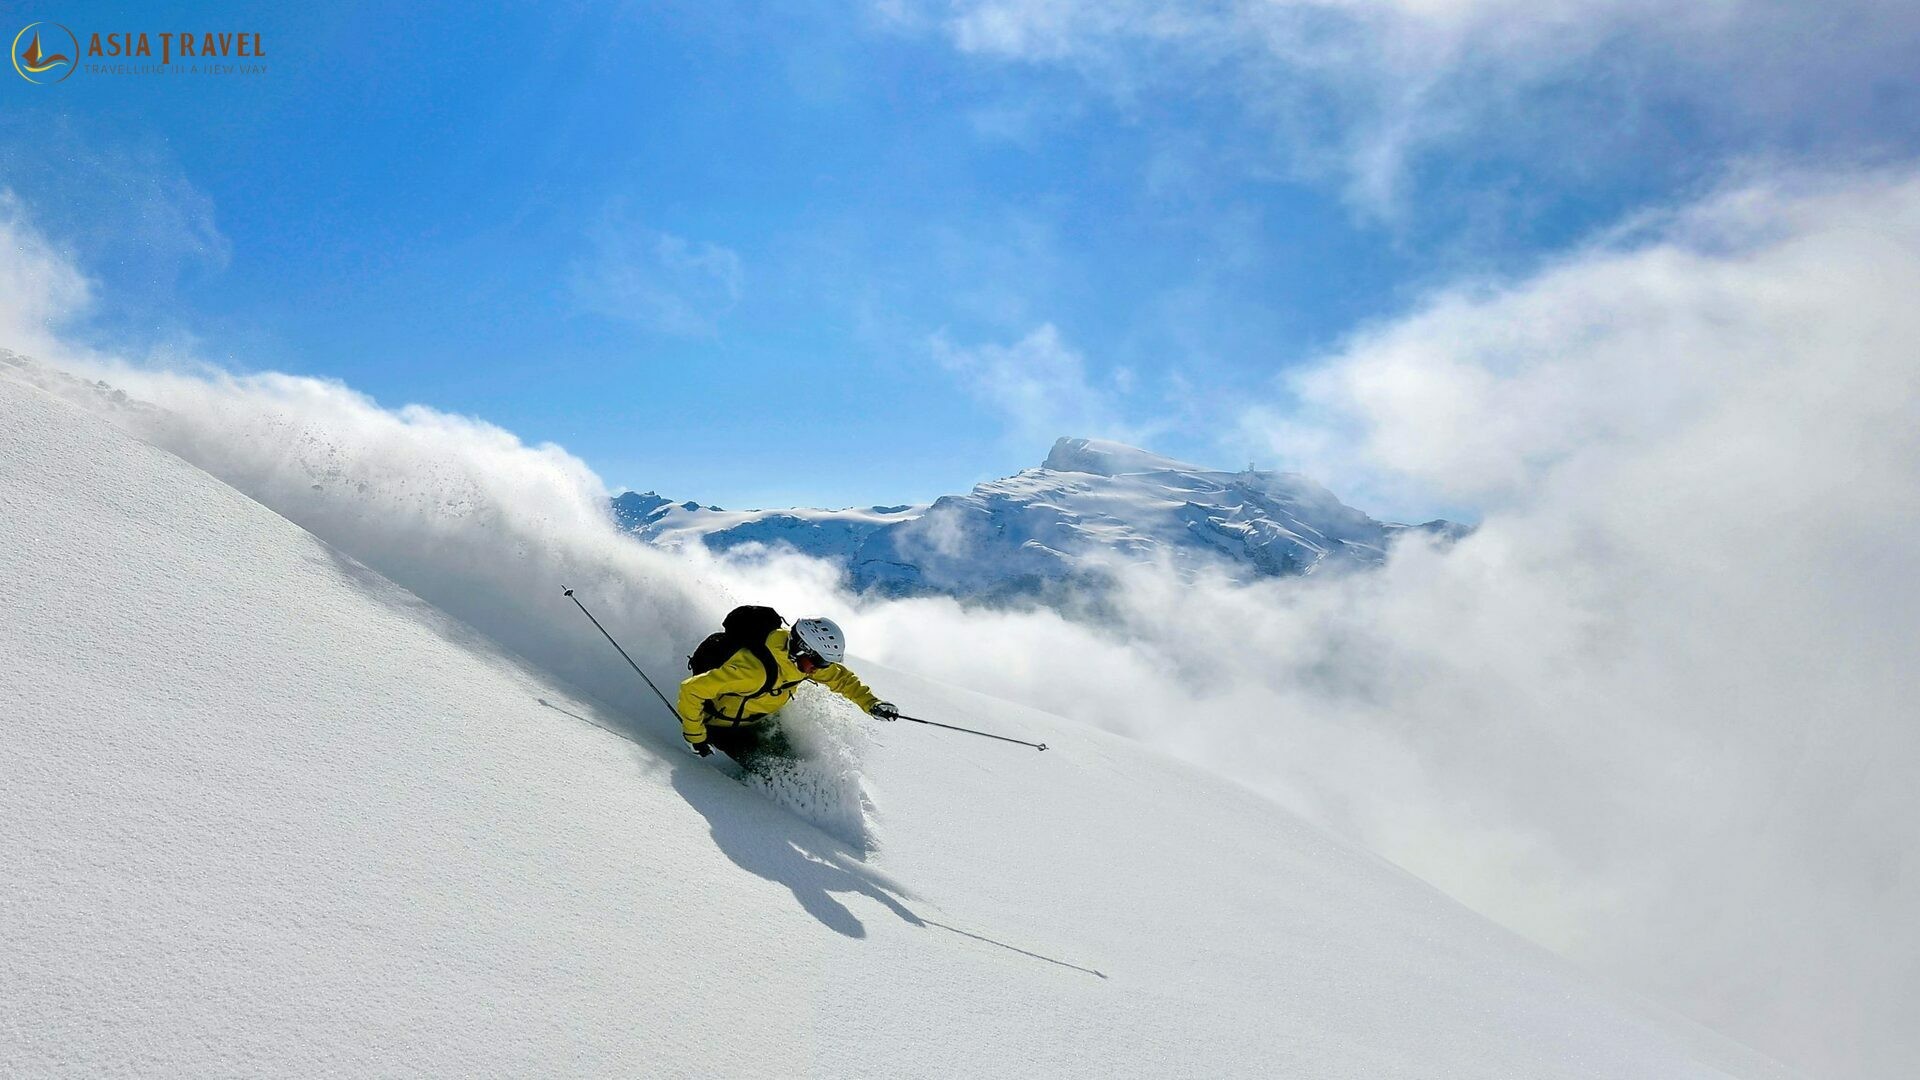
{"x": 823, "y": 638}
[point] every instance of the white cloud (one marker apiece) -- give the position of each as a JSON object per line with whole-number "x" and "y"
{"x": 664, "y": 283}
{"x": 1366, "y": 88}
{"x": 1487, "y": 389}
{"x": 1041, "y": 385}
{"x": 1679, "y": 652}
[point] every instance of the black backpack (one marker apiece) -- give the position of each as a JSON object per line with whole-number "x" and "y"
{"x": 745, "y": 627}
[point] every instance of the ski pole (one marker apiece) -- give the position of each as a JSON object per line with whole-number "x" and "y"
{"x": 970, "y": 731}
{"x": 636, "y": 667}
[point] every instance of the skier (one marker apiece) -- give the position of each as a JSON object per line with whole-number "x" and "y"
{"x": 729, "y": 704}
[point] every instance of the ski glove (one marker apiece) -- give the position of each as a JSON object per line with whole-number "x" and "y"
{"x": 702, "y": 748}
{"x": 885, "y": 710}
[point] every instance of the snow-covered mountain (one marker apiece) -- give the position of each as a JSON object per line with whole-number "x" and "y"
{"x": 311, "y": 770}
{"x": 1090, "y": 503}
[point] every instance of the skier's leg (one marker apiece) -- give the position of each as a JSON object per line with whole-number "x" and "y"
{"x": 773, "y": 741}
{"x": 738, "y": 743}
{"x": 760, "y": 744}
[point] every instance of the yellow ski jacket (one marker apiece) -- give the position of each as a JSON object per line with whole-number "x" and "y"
{"x": 729, "y": 695}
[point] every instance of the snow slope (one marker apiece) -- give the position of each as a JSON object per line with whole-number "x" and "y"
{"x": 1091, "y": 501}
{"x": 264, "y": 812}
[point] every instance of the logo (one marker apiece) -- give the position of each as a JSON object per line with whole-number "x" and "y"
{"x": 35, "y": 63}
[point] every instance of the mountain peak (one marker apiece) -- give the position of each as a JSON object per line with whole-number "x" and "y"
{"x": 1048, "y": 530}
{"x": 1103, "y": 457}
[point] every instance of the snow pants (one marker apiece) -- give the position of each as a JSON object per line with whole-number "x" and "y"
{"x": 749, "y": 743}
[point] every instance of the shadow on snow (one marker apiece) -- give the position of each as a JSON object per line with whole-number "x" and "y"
{"x": 771, "y": 843}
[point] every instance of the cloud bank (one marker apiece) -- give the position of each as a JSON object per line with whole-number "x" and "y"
{"x": 1680, "y": 646}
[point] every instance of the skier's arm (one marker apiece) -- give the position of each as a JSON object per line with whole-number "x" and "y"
{"x": 740, "y": 675}
{"x": 848, "y": 685}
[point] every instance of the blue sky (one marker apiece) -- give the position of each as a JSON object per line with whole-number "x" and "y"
{"x": 829, "y": 254}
